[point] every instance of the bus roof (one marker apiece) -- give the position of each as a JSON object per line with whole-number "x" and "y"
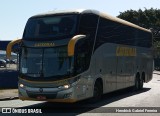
{"x": 78, "y": 11}
{"x": 86, "y": 11}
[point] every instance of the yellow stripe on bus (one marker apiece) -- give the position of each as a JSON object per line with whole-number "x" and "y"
{"x": 63, "y": 81}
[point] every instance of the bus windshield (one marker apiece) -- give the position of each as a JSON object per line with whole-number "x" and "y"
{"x": 48, "y": 62}
{"x": 50, "y": 26}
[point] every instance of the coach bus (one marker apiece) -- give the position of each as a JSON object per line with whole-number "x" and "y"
{"x": 68, "y": 56}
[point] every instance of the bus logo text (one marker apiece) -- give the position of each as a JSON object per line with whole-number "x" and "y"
{"x": 44, "y": 44}
{"x": 126, "y": 51}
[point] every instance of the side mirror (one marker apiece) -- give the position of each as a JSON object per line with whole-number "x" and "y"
{"x": 9, "y": 47}
{"x": 72, "y": 43}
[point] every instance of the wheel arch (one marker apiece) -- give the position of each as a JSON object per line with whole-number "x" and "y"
{"x": 99, "y": 80}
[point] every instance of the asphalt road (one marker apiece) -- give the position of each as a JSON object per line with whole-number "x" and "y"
{"x": 147, "y": 99}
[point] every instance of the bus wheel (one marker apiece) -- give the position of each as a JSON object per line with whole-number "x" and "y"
{"x": 97, "y": 94}
{"x": 137, "y": 82}
{"x": 141, "y": 82}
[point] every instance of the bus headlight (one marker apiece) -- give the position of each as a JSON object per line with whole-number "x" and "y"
{"x": 21, "y": 85}
{"x": 64, "y": 86}
{"x": 72, "y": 83}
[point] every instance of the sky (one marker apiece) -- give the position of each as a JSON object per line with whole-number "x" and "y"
{"x": 15, "y": 13}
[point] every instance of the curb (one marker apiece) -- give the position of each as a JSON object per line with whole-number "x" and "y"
{"x": 9, "y": 98}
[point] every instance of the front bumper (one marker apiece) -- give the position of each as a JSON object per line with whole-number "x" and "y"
{"x": 50, "y": 100}
{"x": 47, "y": 94}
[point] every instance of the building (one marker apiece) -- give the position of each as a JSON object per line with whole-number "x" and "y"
{"x": 3, "y": 46}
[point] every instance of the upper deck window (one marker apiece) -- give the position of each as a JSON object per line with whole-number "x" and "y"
{"x": 50, "y": 26}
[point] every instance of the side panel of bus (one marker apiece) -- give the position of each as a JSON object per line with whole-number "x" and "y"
{"x": 119, "y": 72}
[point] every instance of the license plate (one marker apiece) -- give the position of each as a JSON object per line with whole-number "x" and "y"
{"x": 41, "y": 97}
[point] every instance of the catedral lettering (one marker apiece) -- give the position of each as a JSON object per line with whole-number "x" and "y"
{"x": 74, "y": 55}
{"x": 126, "y": 51}
{"x": 44, "y": 44}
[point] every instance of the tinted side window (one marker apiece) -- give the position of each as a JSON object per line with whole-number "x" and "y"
{"x": 114, "y": 32}
{"x": 108, "y": 31}
{"x": 144, "y": 39}
{"x": 82, "y": 59}
{"x": 87, "y": 26}
{"x": 127, "y": 35}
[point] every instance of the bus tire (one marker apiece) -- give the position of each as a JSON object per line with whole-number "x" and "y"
{"x": 137, "y": 82}
{"x": 97, "y": 93}
{"x": 141, "y": 81}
